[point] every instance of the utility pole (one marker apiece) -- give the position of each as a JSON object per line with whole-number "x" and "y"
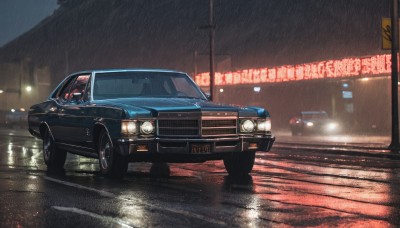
{"x": 395, "y": 145}
{"x": 21, "y": 74}
{"x": 195, "y": 62}
{"x": 211, "y": 32}
{"x": 66, "y": 62}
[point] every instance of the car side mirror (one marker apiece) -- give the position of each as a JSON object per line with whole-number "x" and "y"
{"x": 208, "y": 95}
{"x": 76, "y": 96}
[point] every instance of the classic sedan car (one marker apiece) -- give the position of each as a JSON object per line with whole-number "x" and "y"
{"x": 308, "y": 122}
{"x": 143, "y": 115}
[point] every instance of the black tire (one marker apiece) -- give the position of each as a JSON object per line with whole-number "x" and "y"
{"x": 112, "y": 164}
{"x": 54, "y": 159}
{"x": 239, "y": 164}
{"x": 160, "y": 169}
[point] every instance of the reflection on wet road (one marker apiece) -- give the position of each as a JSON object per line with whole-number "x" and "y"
{"x": 378, "y": 141}
{"x": 292, "y": 188}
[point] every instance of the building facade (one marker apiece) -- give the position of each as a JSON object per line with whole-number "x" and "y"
{"x": 355, "y": 91}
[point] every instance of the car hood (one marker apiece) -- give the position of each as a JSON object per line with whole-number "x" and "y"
{"x": 151, "y": 107}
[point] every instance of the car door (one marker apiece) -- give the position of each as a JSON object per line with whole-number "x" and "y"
{"x": 57, "y": 123}
{"x": 72, "y": 113}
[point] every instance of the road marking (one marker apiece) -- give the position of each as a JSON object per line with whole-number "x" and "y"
{"x": 137, "y": 201}
{"x": 100, "y": 192}
{"x": 91, "y": 214}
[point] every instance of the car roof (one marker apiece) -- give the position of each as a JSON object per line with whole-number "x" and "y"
{"x": 312, "y": 112}
{"x": 127, "y": 70}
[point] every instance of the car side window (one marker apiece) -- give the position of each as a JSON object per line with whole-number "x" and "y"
{"x": 87, "y": 95}
{"x": 60, "y": 88}
{"x": 64, "y": 92}
{"x": 77, "y": 90}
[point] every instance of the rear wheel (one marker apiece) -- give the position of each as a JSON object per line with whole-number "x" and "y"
{"x": 54, "y": 159}
{"x": 112, "y": 164}
{"x": 239, "y": 164}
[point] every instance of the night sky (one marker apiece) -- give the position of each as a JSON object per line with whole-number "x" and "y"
{"x": 166, "y": 33}
{"x": 18, "y": 16}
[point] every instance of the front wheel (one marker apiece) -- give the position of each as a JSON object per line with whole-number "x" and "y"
{"x": 53, "y": 158}
{"x": 239, "y": 164}
{"x": 112, "y": 164}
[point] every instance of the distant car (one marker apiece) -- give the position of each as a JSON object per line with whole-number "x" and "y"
{"x": 16, "y": 118}
{"x": 309, "y": 122}
{"x": 134, "y": 115}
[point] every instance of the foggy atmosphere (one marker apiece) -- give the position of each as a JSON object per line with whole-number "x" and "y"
{"x": 193, "y": 113}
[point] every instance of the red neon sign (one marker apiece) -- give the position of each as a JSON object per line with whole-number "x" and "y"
{"x": 343, "y": 68}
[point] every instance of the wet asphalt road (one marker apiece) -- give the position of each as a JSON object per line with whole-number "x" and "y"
{"x": 286, "y": 188}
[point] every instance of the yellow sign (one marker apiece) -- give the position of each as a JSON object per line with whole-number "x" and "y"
{"x": 386, "y": 34}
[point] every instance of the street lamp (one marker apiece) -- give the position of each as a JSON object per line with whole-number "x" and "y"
{"x": 28, "y": 89}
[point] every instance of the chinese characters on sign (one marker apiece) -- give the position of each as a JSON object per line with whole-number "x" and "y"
{"x": 343, "y": 68}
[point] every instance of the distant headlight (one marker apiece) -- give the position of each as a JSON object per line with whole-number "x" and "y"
{"x": 332, "y": 126}
{"x": 264, "y": 124}
{"x": 247, "y": 126}
{"x": 146, "y": 127}
{"x": 129, "y": 127}
{"x": 310, "y": 124}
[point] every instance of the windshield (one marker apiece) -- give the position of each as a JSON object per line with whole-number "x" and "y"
{"x": 113, "y": 85}
{"x": 315, "y": 115}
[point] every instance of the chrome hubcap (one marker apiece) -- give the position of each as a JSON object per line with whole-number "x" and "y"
{"x": 105, "y": 154}
{"x": 47, "y": 147}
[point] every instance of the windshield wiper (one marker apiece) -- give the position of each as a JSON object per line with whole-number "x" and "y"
{"x": 188, "y": 97}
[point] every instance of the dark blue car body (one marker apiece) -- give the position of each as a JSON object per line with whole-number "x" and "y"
{"x": 111, "y": 120}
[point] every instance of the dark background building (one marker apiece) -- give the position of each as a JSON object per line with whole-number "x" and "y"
{"x": 249, "y": 34}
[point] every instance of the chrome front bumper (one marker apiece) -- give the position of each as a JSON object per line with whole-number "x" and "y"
{"x": 184, "y": 146}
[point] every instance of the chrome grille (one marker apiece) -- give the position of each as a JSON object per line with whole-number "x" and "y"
{"x": 218, "y": 126}
{"x": 218, "y": 131}
{"x": 178, "y": 123}
{"x": 178, "y": 127}
{"x": 183, "y": 124}
{"x": 219, "y": 123}
{"x": 177, "y": 131}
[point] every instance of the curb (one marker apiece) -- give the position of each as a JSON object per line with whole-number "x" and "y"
{"x": 376, "y": 152}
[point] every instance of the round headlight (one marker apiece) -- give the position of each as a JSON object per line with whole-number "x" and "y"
{"x": 247, "y": 126}
{"x": 131, "y": 127}
{"x": 147, "y": 127}
{"x": 310, "y": 124}
{"x": 128, "y": 127}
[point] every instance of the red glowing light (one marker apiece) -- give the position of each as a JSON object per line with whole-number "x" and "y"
{"x": 349, "y": 67}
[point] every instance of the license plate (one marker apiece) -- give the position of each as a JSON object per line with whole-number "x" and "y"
{"x": 201, "y": 148}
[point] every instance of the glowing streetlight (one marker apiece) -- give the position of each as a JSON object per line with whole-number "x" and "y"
{"x": 28, "y": 89}
{"x": 1, "y": 91}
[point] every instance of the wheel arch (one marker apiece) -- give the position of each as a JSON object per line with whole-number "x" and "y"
{"x": 98, "y": 127}
{"x": 42, "y": 129}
